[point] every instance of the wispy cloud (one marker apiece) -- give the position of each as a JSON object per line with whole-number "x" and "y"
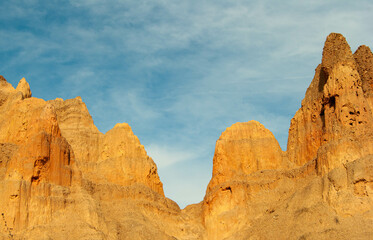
{"x": 167, "y": 156}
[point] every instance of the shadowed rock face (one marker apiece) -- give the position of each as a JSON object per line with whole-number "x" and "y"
{"x": 58, "y": 173}
{"x": 364, "y": 59}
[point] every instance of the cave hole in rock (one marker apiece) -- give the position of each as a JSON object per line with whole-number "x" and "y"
{"x": 322, "y": 116}
{"x": 227, "y": 189}
{"x": 332, "y": 102}
{"x": 323, "y": 77}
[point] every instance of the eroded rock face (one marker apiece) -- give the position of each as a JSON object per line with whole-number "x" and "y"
{"x": 38, "y": 170}
{"x": 121, "y": 150}
{"x": 242, "y": 149}
{"x": 336, "y": 116}
{"x": 45, "y": 155}
{"x": 116, "y": 157}
{"x": 77, "y": 127}
{"x": 24, "y": 88}
{"x": 255, "y": 193}
{"x": 58, "y": 173}
{"x": 364, "y": 59}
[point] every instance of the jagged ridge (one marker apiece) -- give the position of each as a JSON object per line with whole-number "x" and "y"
{"x": 58, "y": 173}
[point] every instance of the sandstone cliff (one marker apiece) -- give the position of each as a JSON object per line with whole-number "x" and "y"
{"x": 60, "y": 178}
{"x": 336, "y": 116}
{"x": 59, "y": 174}
{"x": 321, "y": 187}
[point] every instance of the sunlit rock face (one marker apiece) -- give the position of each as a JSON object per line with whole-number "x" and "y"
{"x": 60, "y": 178}
{"x": 242, "y": 149}
{"x": 115, "y": 157}
{"x": 38, "y": 163}
{"x": 322, "y": 183}
{"x": 336, "y": 116}
{"x": 59, "y": 172}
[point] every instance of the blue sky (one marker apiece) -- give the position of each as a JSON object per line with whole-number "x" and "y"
{"x": 179, "y": 72}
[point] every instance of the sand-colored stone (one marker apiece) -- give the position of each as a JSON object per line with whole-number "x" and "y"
{"x": 364, "y": 59}
{"x": 328, "y": 196}
{"x": 121, "y": 150}
{"x": 242, "y": 149}
{"x": 336, "y": 116}
{"x": 46, "y": 155}
{"x": 24, "y": 88}
{"x": 116, "y": 157}
{"x": 38, "y": 169}
{"x": 60, "y": 178}
{"x": 109, "y": 190}
{"x": 77, "y": 127}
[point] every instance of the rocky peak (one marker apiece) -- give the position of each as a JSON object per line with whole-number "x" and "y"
{"x": 242, "y": 149}
{"x": 333, "y": 109}
{"x": 6, "y": 90}
{"x": 123, "y": 125}
{"x": 58, "y": 173}
{"x": 364, "y": 60}
{"x": 124, "y": 161}
{"x": 336, "y": 50}
{"x": 77, "y": 127}
{"x": 24, "y": 88}
{"x": 116, "y": 157}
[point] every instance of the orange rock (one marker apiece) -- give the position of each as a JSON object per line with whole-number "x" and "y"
{"x": 40, "y": 179}
{"x": 45, "y": 155}
{"x": 24, "y": 88}
{"x": 6, "y": 89}
{"x": 242, "y": 149}
{"x": 253, "y": 189}
{"x": 364, "y": 60}
{"x": 333, "y": 111}
{"x": 58, "y": 173}
{"x": 115, "y": 157}
{"x": 77, "y": 127}
{"x": 123, "y": 160}
{"x": 42, "y": 162}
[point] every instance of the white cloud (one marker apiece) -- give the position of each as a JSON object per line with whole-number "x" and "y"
{"x": 165, "y": 156}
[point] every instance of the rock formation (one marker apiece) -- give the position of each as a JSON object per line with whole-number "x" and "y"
{"x": 242, "y": 149}
{"x": 60, "y": 178}
{"x": 336, "y": 116}
{"x": 58, "y": 172}
{"x": 321, "y": 188}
